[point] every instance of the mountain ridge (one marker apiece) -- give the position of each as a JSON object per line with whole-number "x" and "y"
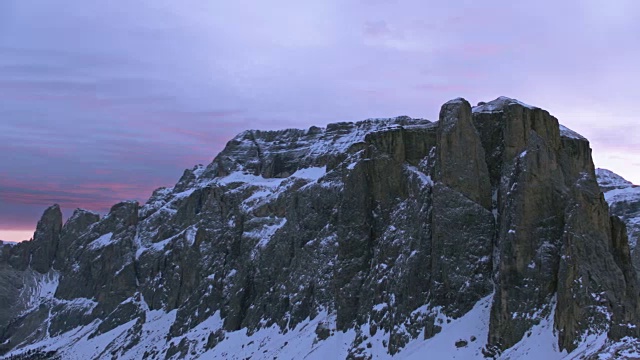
{"x": 362, "y": 238}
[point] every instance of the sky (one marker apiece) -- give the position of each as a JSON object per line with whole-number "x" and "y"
{"x": 104, "y": 101}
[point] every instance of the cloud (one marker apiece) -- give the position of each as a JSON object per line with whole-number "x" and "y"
{"x": 90, "y": 194}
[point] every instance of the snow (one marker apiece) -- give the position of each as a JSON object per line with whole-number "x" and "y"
{"x": 301, "y": 342}
{"x": 499, "y": 104}
{"x": 96, "y": 347}
{"x": 443, "y": 346}
{"x": 624, "y": 194}
{"x": 100, "y": 242}
{"x": 265, "y": 233}
{"x": 260, "y": 194}
{"x": 242, "y": 177}
{"x": 425, "y": 179}
{"x": 311, "y": 173}
{"x": 198, "y": 170}
{"x": 79, "y": 345}
{"x": 610, "y": 179}
{"x": 455, "y": 101}
{"x": 190, "y": 234}
{"x": 380, "y": 307}
{"x": 271, "y": 343}
{"x": 80, "y": 303}
{"x": 184, "y": 194}
{"x": 541, "y": 342}
{"x": 568, "y": 133}
{"x": 44, "y": 288}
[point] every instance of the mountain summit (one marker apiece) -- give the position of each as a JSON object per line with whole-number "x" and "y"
{"x": 482, "y": 235}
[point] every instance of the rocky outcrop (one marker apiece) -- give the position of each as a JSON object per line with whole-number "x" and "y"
{"x": 460, "y": 157}
{"x": 551, "y": 216}
{"x": 45, "y": 239}
{"x": 384, "y": 229}
{"x": 21, "y": 272}
{"x": 462, "y": 224}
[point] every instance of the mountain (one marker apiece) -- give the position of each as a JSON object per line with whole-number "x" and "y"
{"x": 624, "y": 201}
{"x": 484, "y": 234}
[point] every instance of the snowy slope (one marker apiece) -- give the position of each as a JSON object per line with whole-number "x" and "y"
{"x": 460, "y": 339}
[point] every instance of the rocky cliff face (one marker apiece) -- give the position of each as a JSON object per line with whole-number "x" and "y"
{"x": 624, "y": 202}
{"x": 359, "y": 240}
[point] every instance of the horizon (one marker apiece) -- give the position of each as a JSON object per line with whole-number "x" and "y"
{"x": 102, "y": 103}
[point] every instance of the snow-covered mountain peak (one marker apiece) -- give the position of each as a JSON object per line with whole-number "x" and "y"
{"x": 499, "y": 104}
{"x": 387, "y": 238}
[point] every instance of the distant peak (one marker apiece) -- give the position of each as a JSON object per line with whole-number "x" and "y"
{"x": 609, "y": 180}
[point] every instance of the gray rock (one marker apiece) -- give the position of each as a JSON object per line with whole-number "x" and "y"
{"x": 45, "y": 239}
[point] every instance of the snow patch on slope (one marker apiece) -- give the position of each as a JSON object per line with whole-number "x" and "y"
{"x": 266, "y": 232}
{"x": 568, "y": 133}
{"x": 42, "y": 289}
{"x": 79, "y": 344}
{"x": 311, "y": 173}
{"x": 473, "y": 325}
{"x": 100, "y": 242}
{"x": 624, "y": 194}
{"x": 424, "y": 178}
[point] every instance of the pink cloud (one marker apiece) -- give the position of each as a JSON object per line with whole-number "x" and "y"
{"x": 99, "y": 196}
{"x": 16, "y": 235}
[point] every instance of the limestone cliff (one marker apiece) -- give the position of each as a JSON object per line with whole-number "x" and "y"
{"x": 384, "y": 232}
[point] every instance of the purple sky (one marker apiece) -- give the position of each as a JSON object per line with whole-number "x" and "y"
{"x": 102, "y": 101}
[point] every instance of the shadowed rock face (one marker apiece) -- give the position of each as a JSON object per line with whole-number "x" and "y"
{"x": 461, "y": 161}
{"x": 386, "y": 224}
{"x": 46, "y": 239}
